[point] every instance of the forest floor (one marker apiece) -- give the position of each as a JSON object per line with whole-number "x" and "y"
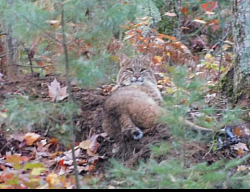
{"x": 93, "y": 148}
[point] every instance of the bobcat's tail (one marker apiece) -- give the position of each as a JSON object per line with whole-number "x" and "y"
{"x": 137, "y": 134}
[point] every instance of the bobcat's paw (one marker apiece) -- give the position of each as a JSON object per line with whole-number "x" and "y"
{"x": 137, "y": 134}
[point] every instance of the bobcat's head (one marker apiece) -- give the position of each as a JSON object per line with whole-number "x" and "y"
{"x": 136, "y": 71}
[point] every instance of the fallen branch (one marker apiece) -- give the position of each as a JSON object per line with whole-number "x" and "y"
{"x": 196, "y": 127}
{"x": 37, "y": 67}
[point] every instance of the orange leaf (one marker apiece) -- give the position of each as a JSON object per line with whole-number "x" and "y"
{"x": 168, "y": 37}
{"x": 184, "y": 10}
{"x": 31, "y": 138}
{"x": 208, "y": 120}
{"x": 240, "y": 152}
{"x": 54, "y": 141}
{"x": 61, "y": 162}
{"x": 238, "y": 132}
{"x": 210, "y": 6}
{"x": 157, "y": 59}
{"x": 92, "y": 168}
{"x": 184, "y": 102}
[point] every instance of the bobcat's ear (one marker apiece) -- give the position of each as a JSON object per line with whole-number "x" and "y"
{"x": 124, "y": 59}
{"x": 148, "y": 59}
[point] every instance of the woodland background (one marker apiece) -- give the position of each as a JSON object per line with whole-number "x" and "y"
{"x": 58, "y": 64}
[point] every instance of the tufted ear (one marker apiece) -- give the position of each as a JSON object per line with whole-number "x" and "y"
{"x": 124, "y": 59}
{"x": 148, "y": 59}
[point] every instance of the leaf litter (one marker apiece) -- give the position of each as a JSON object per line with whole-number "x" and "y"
{"x": 91, "y": 153}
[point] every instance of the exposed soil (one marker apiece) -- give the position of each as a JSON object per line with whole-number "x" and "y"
{"x": 90, "y": 122}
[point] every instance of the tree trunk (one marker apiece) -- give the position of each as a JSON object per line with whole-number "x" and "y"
{"x": 11, "y": 51}
{"x": 3, "y": 68}
{"x": 237, "y": 81}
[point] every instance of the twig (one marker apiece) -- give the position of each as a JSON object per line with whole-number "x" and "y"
{"x": 221, "y": 41}
{"x": 70, "y": 96}
{"x": 35, "y": 67}
{"x": 29, "y": 52}
{"x": 211, "y": 148}
{"x": 196, "y": 127}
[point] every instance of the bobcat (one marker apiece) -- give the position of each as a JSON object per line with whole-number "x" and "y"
{"x": 136, "y": 104}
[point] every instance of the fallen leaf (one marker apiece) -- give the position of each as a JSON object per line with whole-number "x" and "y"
{"x": 56, "y": 92}
{"x": 94, "y": 144}
{"x": 31, "y": 138}
{"x": 157, "y": 59}
{"x": 210, "y": 6}
{"x": 168, "y": 37}
{"x": 53, "y": 180}
{"x": 210, "y": 13}
{"x": 91, "y": 154}
{"x": 200, "y": 21}
{"x": 15, "y": 160}
{"x": 53, "y": 22}
{"x": 241, "y": 146}
{"x": 238, "y": 131}
{"x": 85, "y": 144}
{"x": 184, "y": 10}
{"x": 170, "y": 14}
{"x": 242, "y": 168}
{"x": 38, "y": 171}
{"x": 33, "y": 166}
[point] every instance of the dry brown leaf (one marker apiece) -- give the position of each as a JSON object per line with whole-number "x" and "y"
{"x": 242, "y": 168}
{"x": 91, "y": 154}
{"x": 85, "y": 144}
{"x": 200, "y": 21}
{"x": 241, "y": 146}
{"x": 56, "y": 92}
{"x": 31, "y": 138}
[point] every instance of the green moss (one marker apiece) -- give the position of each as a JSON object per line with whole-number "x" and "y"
{"x": 226, "y": 84}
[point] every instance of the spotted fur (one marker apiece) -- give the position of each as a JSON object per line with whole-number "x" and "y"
{"x": 135, "y": 105}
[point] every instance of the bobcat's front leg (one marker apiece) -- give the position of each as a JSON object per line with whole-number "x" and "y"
{"x": 128, "y": 127}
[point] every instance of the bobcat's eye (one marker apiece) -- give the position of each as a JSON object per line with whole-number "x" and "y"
{"x": 143, "y": 70}
{"x": 130, "y": 70}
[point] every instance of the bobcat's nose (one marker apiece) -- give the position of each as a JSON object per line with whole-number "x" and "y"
{"x": 137, "y": 76}
{"x": 137, "y": 79}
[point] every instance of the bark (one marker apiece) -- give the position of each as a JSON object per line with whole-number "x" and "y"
{"x": 12, "y": 56}
{"x": 3, "y": 68}
{"x": 237, "y": 82}
{"x": 242, "y": 47}
{"x": 11, "y": 51}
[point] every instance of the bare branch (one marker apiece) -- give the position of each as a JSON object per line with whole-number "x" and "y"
{"x": 35, "y": 67}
